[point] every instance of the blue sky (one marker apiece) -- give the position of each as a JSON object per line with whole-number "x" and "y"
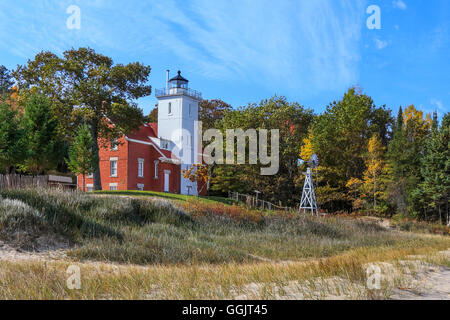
{"x": 243, "y": 51}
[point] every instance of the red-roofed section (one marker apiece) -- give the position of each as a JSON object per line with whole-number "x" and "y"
{"x": 154, "y": 127}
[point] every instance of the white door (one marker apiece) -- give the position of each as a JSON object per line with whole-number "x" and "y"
{"x": 166, "y": 181}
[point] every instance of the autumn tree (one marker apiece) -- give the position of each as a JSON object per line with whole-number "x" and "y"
{"x": 340, "y": 137}
{"x": 212, "y": 111}
{"x": 87, "y": 87}
{"x": 292, "y": 120}
{"x": 374, "y": 167}
{"x": 198, "y": 173}
{"x": 82, "y": 157}
{"x": 153, "y": 115}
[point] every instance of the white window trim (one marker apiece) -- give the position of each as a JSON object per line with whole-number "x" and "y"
{"x": 156, "y": 168}
{"x": 114, "y": 145}
{"x": 115, "y": 185}
{"x": 140, "y": 186}
{"x": 110, "y": 167}
{"x": 140, "y": 174}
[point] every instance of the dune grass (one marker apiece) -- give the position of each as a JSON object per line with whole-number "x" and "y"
{"x": 168, "y": 196}
{"x": 142, "y": 231}
{"x": 264, "y": 280}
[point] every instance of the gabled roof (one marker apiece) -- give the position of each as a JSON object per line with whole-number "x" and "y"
{"x": 144, "y": 134}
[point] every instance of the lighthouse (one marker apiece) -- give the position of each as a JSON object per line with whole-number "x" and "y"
{"x": 178, "y": 125}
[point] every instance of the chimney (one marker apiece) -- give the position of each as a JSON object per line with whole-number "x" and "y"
{"x": 167, "y": 81}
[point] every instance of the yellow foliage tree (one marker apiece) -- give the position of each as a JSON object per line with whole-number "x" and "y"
{"x": 306, "y": 150}
{"x": 414, "y": 121}
{"x": 375, "y": 164}
{"x": 198, "y": 173}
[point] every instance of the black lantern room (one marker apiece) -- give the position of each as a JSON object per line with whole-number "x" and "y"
{"x": 178, "y": 82}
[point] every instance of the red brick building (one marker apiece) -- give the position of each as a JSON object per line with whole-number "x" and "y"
{"x": 153, "y": 158}
{"x": 136, "y": 162}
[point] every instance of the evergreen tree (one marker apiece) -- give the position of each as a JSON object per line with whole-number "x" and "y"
{"x": 43, "y": 146}
{"x": 82, "y": 157}
{"x": 6, "y": 81}
{"x": 12, "y": 142}
{"x": 404, "y": 157}
{"x": 431, "y": 198}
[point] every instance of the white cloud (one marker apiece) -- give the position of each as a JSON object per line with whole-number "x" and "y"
{"x": 302, "y": 46}
{"x": 380, "y": 44}
{"x": 438, "y": 104}
{"x": 399, "y": 4}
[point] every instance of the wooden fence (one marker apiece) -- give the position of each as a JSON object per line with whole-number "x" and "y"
{"x": 9, "y": 181}
{"x": 253, "y": 202}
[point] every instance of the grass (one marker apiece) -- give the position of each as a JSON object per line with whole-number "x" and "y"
{"x": 169, "y": 196}
{"x": 34, "y": 280}
{"x": 140, "y": 231}
{"x": 421, "y": 227}
{"x": 190, "y": 250}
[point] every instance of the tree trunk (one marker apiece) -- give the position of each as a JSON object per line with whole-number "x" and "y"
{"x": 374, "y": 195}
{"x": 96, "y": 173}
{"x": 84, "y": 182}
{"x": 210, "y": 172}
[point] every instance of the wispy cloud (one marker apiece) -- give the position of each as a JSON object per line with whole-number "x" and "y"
{"x": 380, "y": 44}
{"x": 438, "y": 104}
{"x": 303, "y": 44}
{"x": 399, "y": 4}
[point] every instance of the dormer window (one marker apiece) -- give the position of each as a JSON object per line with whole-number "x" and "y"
{"x": 114, "y": 145}
{"x": 164, "y": 144}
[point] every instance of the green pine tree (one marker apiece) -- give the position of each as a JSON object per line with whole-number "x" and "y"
{"x": 12, "y": 142}
{"x": 41, "y": 135}
{"x": 82, "y": 157}
{"x": 431, "y": 197}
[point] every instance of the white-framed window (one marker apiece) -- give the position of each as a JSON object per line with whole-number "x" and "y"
{"x": 114, "y": 145}
{"x": 113, "y": 167}
{"x": 90, "y": 187}
{"x": 90, "y": 175}
{"x": 140, "y": 168}
{"x": 113, "y": 186}
{"x": 140, "y": 187}
{"x": 156, "y": 169}
{"x": 170, "y": 108}
{"x": 164, "y": 144}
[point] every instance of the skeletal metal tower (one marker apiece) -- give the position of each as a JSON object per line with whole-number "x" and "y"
{"x": 308, "y": 201}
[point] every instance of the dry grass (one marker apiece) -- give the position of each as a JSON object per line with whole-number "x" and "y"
{"x": 313, "y": 279}
{"x": 212, "y": 252}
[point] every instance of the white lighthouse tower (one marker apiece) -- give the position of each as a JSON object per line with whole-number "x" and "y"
{"x": 178, "y": 124}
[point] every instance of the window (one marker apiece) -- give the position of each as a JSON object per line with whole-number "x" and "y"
{"x": 113, "y": 167}
{"x": 90, "y": 187}
{"x": 140, "y": 168}
{"x": 140, "y": 187}
{"x": 113, "y": 186}
{"x": 114, "y": 145}
{"x": 164, "y": 144}
{"x": 170, "y": 107}
{"x": 90, "y": 175}
{"x": 156, "y": 169}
